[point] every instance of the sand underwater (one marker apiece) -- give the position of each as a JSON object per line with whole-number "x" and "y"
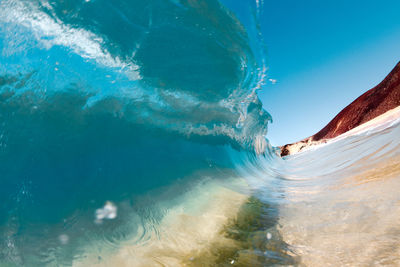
{"x": 131, "y": 134}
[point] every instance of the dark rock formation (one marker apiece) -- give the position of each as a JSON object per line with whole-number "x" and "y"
{"x": 376, "y": 101}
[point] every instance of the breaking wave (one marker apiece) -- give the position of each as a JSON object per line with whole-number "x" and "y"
{"x": 131, "y": 134}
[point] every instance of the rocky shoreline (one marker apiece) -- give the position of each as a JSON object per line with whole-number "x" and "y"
{"x": 374, "y": 103}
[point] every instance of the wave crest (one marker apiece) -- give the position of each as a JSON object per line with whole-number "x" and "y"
{"x": 182, "y": 66}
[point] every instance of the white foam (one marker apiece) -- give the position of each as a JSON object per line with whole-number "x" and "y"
{"x": 50, "y": 32}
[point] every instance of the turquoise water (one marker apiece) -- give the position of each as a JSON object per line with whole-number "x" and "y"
{"x": 114, "y": 102}
{"x": 131, "y": 134}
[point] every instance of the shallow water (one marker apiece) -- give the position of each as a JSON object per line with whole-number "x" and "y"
{"x": 131, "y": 134}
{"x": 342, "y": 204}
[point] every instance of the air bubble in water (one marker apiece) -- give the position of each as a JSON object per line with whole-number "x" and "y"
{"x": 63, "y": 239}
{"x": 109, "y": 211}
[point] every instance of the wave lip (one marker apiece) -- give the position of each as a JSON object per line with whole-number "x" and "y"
{"x": 185, "y": 68}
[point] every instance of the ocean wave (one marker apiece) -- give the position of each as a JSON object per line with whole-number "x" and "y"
{"x": 131, "y": 134}
{"x": 184, "y": 68}
{"x": 118, "y": 109}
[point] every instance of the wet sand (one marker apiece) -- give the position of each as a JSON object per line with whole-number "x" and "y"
{"x": 184, "y": 234}
{"x": 219, "y": 227}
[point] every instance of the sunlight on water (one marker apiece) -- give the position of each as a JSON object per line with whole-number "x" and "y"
{"x": 342, "y": 204}
{"x": 131, "y": 134}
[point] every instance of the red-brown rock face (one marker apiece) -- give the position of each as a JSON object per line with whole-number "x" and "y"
{"x": 376, "y": 101}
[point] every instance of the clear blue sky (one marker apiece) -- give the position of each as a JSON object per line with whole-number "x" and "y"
{"x": 324, "y": 54}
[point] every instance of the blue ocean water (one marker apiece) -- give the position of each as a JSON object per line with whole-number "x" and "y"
{"x": 131, "y": 134}
{"x": 109, "y": 100}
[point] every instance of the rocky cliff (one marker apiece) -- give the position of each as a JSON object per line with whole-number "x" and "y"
{"x": 375, "y": 102}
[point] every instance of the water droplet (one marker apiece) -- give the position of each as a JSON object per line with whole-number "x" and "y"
{"x": 109, "y": 211}
{"x": 63, "y": 238}
{"x": 273, "y": 81}
{"x": 269, "y": 236}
